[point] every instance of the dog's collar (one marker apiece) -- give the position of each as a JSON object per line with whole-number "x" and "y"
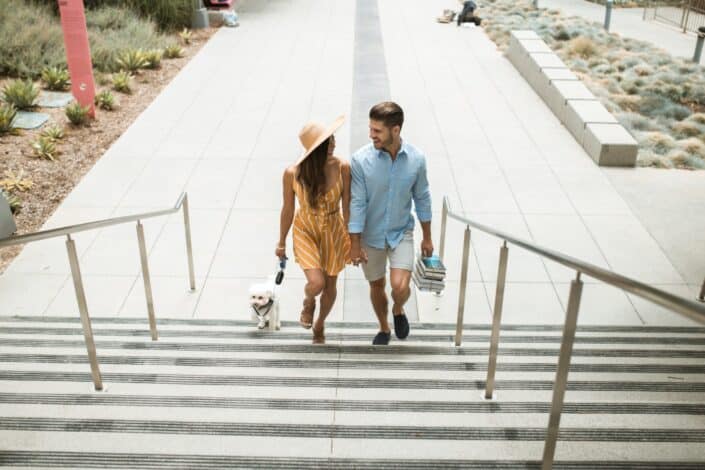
{"x": 268, "y": 305}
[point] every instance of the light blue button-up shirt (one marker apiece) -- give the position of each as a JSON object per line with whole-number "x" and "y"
{"x": 382, "y": 191}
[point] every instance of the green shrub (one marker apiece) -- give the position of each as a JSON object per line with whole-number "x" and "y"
{"x": 22, "y": 93}
{"x": 153, "y": 58}
{"x": 56, "y": 78}
{"x": 173, "y": 51}
{"x": 77, "y": 114}
{"x": 7, "y": 116}
{"x": 105, "y": 100}
{"x": 30, "y": 39}
{"x": 45, "y": 148}
{"x": 53, "y": 133}
{"x": 122, "y": 82}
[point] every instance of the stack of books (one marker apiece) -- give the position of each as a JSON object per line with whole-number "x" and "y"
{"x": 429, "y": 274}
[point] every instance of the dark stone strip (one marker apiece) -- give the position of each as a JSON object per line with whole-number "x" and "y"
{"x": 284, "y": 335}
{"x": 345, "y": 364}
{"x": 370, "y": 81}
{"x": 147, "y": 345}
{"x": 219, "y": 462}
{"x": 298, "y": 430}
{"x": 333, "y": 324}
{"x": 693, "y": 409}
{"x": 334, "y": 382}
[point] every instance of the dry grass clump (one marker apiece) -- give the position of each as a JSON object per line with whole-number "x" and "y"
{"x": 660, "y": 99}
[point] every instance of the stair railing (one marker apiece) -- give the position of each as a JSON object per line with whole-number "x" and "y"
{"x": 682, "y": 306}
{"x": 181, "y": 203}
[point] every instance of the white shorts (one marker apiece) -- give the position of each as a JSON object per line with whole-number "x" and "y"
{"x": 401, "y": 257}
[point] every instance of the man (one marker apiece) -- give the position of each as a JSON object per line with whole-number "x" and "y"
{"x": 386, "y": 176}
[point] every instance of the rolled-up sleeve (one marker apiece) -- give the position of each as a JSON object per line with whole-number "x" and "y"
{"x": 422, "y": 194}
{"x": 358, "y": 198}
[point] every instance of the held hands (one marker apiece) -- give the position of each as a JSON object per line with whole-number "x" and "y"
{"x": 358, "y": 255}
{"x": 426, "y": 248}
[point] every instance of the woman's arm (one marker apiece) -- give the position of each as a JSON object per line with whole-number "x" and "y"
{"x": 287, "y": 213}
{"x": 346, "y": 192}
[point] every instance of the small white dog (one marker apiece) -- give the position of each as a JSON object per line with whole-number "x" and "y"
{"x": 265, "y": 305}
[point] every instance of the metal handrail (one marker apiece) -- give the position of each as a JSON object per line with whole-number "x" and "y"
{"x": 181, "y": 203}
{"x": 682, "y": 306}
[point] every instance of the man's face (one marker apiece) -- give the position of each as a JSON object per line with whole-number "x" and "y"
{"x": 381, "y": 135}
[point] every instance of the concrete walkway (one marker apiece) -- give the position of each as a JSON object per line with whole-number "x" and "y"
{"x": 629, "y": 22}
{"x": 226, "y": 127}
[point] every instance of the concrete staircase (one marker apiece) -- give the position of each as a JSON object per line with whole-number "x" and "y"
{"x": 220, "y": 394}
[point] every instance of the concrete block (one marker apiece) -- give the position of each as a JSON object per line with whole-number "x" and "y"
{"x": 610, "y": 145}
{"x": 578, "y": 113}
{"x": 538, "y": 61}
{"x": 560, "y": 91}
{"x": 546, "y": 76}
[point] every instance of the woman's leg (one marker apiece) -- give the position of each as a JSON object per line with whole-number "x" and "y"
{"x": 315, "y": 283}
{"x": 328, "y": 296}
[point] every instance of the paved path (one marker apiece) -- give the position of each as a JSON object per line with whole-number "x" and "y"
{"x": 629, "y": 22}
{"x": 226, "y": 127}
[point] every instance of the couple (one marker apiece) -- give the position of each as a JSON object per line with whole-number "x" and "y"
{"x": 376, "y": 189}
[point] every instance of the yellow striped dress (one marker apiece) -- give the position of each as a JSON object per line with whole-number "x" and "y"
{"x": 321, "y": 239}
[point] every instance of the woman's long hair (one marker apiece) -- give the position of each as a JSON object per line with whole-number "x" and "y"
{"x": 312, "y": 175}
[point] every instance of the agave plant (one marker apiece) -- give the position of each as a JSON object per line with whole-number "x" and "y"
{"x": 186, "y": 36}
{"x": 53, "y": 133}
{"x": 45, "y": 148}
{"x": 122, "y": 82}
{"x": 15, "y": 181}
{"x": 153, "y": 58}
{"x": 22, "y": 93}
{"x": 7, "y": 116}
{"x": 131, "y": 60}
{"x": 77, "y": 114}
{"x": 173, "y": 51}
{"x": 105, "y": 100}
{"x": 56, "y": 78}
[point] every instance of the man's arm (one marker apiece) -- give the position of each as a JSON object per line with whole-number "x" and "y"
{"x": 358, "y": 210}
{"x": 422, "y": 203}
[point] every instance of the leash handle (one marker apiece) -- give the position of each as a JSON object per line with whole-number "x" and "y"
{"x": 281, "y": 266}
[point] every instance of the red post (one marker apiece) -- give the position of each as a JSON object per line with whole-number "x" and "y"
{"x": 78, "y": 52}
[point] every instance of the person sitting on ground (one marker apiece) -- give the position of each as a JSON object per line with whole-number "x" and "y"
{"x": 467, "y": 15}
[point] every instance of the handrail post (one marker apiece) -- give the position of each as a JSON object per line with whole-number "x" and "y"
{"x": 496, "y": 321}
{"x": 444, "y": 219}
{"x": 463, "y": 286}
{"x": 147, "y": 281}
{"x": 83, "y": 310}
{"x": 559, "y": 385}
{"x": 189, "y": 247}
{"x": 701, "y": 297}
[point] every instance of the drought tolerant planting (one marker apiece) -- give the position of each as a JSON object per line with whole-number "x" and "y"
{"x": 137, "y": 47}
{"x": 659, "y": 98}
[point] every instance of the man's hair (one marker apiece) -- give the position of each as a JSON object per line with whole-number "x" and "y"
{"x": 389, "y": 113}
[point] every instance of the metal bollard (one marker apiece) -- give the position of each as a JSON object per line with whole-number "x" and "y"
{"x": 699, "y": 44}
{"x": 199, "y": 17}
{"x": 608, "y": 14}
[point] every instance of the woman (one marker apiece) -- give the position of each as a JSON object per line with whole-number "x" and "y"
{"x": 320, "y": 181}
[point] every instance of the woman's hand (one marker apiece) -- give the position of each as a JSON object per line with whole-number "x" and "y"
{"x": 280, "y": 251}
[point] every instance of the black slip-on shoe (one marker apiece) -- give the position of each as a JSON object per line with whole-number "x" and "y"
{"x": 401, "y": 326}
{"x": 382, "y": 338}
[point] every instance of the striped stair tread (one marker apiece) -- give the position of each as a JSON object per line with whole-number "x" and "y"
{"x": 219, "y": 393}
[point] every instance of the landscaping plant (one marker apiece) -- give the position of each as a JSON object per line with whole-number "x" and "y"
{"x": 77, "y": 114}
{"x": 21, "y": 93}
{"x": 56, "y": 78}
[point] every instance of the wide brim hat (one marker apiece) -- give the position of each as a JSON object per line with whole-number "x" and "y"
{"x": 314, "y": 134}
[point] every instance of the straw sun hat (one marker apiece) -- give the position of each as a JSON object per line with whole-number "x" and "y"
{"x": 314, "y": 134}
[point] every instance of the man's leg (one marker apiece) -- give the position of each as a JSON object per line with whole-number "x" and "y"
{"x": 380, "y": 304}
{"x": 400, "y": 280}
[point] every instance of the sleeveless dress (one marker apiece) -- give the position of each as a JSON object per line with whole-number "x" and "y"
{"x": 320, "y": 237}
